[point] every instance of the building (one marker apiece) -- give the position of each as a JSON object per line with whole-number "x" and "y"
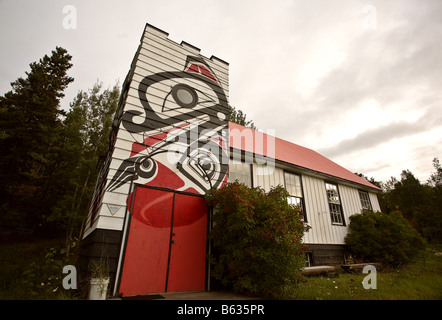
{"x": 328, "y": 193}
{"x": 171, "y": 142}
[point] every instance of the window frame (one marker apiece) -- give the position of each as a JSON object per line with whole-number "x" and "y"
{"x": 335, "y": 207}
{"x": 301, "y": 199}
{"x": 368, "y": 201}
{"x": 309, "y": 259}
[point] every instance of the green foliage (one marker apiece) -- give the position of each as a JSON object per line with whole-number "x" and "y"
{"x": 385, "y": 238}
{"x": 257, "y": 238}
{"x": 86, "y": 139}
{"x": 30, "y": 140}
{"x": 421, "y": 204}
{"x": 33, "y": 270}
{"x": 47, "y": 171}
{"x": 435, "y": 179}
{"x": 429, "y": 222}
{"x": 99, "y": 268}
{"x": 239, "y": 117}
{"x": 29, "y": 118}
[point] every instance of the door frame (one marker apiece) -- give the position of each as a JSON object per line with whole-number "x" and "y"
{"x": 126, "y": 228}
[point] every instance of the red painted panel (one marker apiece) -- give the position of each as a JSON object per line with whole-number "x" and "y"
{"x": 166, "y": 178}
{"x": 187, "y": 267}
{"x": 147, "y": 248}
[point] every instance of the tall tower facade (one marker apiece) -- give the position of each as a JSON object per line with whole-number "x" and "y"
{"x": 168, "y": 147}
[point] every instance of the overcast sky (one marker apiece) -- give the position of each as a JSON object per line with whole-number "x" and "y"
{"x": 357, "y": 81}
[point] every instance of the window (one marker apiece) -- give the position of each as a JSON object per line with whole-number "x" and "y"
{"x": 365, "y": 200}
{"x": 334, "y": 203}
{"x": 294, "y": 188}
{"x": 308, "y": 259}
{"x": 241, "y": 172}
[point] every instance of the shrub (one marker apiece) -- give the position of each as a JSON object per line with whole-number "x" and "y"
{"x": 257, "y": 238}
{"x": 385, "y": 238}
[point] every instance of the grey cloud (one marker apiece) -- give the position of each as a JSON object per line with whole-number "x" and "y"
{"x": 384, "y": 134}
{"x": 372, "y": 137}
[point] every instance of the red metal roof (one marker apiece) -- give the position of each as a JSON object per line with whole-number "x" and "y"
{"x": 291, "y": 153}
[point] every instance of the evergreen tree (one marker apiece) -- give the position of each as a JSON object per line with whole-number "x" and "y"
{"x": 431, "y": 221}
{"x": 435, "y": 179}
{"x": 29, "y": 117}
{"x": 30, "y": 126}
{"x": 419, "y": 203}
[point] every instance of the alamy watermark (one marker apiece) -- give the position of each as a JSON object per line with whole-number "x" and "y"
{"x": 70, "y": 281}
{"x": 70, "y": 17}
{"x": 370, "y": 281}
{"x": 248, "y": 146}
{"x": 370, "y": 17}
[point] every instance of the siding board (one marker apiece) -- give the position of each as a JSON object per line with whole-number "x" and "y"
{"x": 374, "y": 201}
{"x": 170, "y": 47}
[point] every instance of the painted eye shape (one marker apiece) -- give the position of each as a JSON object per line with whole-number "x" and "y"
{"x": 185, "y": 96}
{"x": 146, "y": 168}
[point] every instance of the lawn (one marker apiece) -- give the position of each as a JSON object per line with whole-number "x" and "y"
{"x": 420, "y": 280}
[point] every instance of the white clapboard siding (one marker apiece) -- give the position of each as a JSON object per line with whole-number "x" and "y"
{"x": 267, "y": 180}
{"x": 374, "y": 201}
{"x": 316, "y": 204}
{"x": 317, "y": 211}
{"x": 175, "y": 57}
{"x": 150, "y": 56}
{"x": 154, "y": 42}
{"x": 164, "y": 87}
{"x": 155, "y": 54}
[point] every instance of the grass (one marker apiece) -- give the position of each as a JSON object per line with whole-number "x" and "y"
{"x": 34, "y": 271}
{"x": 420, "y": 280}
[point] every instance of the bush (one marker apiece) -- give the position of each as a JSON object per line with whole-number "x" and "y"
{"x": 257, "y": 238}
{"x": 385, "y": 238}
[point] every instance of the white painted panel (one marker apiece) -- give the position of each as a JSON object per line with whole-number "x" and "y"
{"x": 374, "y": 201}
{"x": 311, "y": 210}
{"x": 264, "y": 178}
{"x": 317, "y": 211}
{"x": 149, "y": 31}
{"x": 115, "y": 198}
{"x": 241, "y": 172}
{"x": 350, "y": 201}
{"x": 110, "y": 223}
{"x": 89, "y": 228}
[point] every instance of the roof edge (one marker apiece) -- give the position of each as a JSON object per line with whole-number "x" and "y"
{"x": 364, "y": 183}
{"x": 371, "y": 187}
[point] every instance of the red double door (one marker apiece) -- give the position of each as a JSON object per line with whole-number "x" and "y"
{"x": 166, "y": 245}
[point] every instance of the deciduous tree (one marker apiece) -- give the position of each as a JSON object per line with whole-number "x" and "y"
{"x": 257, "y": 237}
